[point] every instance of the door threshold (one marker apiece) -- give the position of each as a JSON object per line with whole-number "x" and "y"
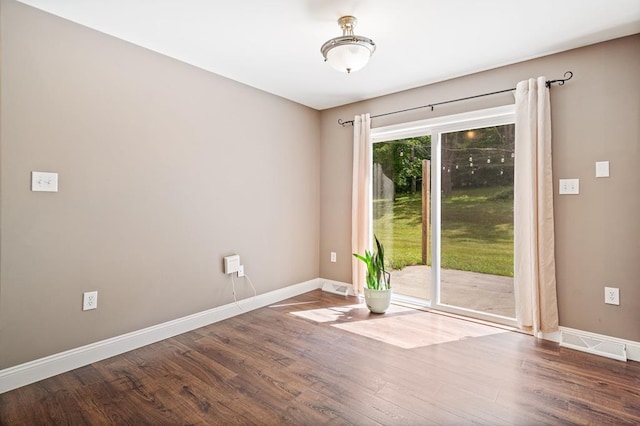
{"x": 423, "y": 305}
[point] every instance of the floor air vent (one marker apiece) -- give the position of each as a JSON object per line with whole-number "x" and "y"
{"x": 593, "y": 344}
{"x": 337, "y": 288}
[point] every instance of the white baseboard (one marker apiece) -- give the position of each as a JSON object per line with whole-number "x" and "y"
{"x": 599, "y": 344}
{"x": 33, "y": 371}
{"x": 338, "y": 287}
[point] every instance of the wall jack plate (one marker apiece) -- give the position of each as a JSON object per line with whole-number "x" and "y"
{"x": 89, "y": 300}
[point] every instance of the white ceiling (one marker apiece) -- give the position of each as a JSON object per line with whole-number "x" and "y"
{"x": 274, "y": 45}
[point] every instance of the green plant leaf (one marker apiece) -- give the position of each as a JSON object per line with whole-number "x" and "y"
{"x": 377, "y": 276}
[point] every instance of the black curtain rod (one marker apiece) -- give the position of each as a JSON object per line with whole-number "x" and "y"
{"x": 560, "y": 81}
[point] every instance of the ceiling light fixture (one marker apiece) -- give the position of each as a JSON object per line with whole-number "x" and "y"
{"x": 349, "y": 52}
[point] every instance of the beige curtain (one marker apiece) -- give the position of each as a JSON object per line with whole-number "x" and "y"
{"x": 361, "y": 198}
{"x": 535, "y": 274}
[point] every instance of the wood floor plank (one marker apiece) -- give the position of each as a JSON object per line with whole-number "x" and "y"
{"x": 270, "y": 366}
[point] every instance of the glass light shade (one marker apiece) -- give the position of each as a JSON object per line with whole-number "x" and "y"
{"x": 348, "y": 57}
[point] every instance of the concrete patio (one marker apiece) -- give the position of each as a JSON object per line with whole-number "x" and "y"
{"x": 487, "y": 293}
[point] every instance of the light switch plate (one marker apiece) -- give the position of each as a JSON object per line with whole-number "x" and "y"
{"x": 569, "y": 186}
{"x": 44, "y": 182}
{"x": 602, "y": 169}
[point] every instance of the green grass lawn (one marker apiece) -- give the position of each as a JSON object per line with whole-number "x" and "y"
{"x": 477, "y": 230}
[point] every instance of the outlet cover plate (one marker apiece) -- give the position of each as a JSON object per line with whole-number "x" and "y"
{"x": 612, "y": 296}
{"x": 89, "y": 300}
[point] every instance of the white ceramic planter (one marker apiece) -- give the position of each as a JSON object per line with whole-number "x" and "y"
{"x": 377, "y": 301}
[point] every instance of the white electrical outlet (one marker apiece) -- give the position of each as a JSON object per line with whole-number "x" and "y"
{"x": 333, "y": 256}
{"x": 612, "y": 296}
{"x": 89, "y": 300}
{"x": 240, "y": 271}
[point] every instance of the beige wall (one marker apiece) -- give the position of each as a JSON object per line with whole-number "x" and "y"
{"x": 596, "y": 116}
{"x": 164, "y": 169}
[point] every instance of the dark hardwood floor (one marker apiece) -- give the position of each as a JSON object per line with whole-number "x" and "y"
{"x": 269, "y": 367}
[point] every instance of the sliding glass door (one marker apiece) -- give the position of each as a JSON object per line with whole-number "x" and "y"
{"x": 443, "y": 208}
{"x": 401, "y": 188}
{"x": 476, "y": 220}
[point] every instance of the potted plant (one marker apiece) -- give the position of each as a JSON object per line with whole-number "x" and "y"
{"x": 377, "y": 293}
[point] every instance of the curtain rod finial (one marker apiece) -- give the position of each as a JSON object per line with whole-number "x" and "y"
{"x": 567, "y": 76}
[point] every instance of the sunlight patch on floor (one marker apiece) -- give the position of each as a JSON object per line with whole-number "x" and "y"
{"x": 342, "y": 313}
{"x": 418, "y": 330}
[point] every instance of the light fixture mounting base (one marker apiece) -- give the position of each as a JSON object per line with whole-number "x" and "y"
{"x": 347, "y": 23}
